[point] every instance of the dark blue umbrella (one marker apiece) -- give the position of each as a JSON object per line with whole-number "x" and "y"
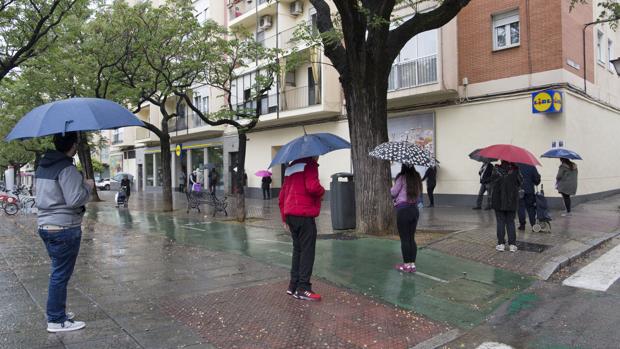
{"x": 309, "y": 145}
{"x": 561, "y": 153}
{"x": 74, "y": 114}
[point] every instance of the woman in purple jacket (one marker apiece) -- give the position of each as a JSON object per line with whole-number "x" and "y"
{"x": 405, "y": 192}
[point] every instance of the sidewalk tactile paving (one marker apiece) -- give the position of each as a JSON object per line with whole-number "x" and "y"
{"x": 265, "y": 317}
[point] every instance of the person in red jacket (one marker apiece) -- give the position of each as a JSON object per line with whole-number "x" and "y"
{"x": 300, "y": 202}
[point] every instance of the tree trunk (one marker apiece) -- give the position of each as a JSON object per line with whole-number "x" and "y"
{"x": 240, "y": 178}
{"x": 366, "y": 103}
{"x": 84, "y": 155}
{"x": 166, "y": 167}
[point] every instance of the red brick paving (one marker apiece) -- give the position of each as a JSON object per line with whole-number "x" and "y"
{"x": 265, "y": 317}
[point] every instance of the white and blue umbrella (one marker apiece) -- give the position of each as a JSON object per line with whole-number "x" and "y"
{"x": 561, "y": 153}
{"x": 74, "y": 114}
{"x": 309, "y": 145}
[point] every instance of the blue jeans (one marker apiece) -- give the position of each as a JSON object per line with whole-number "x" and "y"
{"x": 63, "y": 248}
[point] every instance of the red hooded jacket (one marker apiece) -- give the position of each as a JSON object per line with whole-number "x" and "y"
{"x": 301, "y": 192}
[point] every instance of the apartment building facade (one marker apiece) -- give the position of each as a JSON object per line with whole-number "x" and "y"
{"x": 471, "y": 83}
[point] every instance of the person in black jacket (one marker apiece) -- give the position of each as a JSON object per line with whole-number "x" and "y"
{"x": 505, "y": 201}
{"x": 431, "y": 181}
{"x": 486, "y": 174}
{"x": 266, "y": 186}
{"x": 527, "y": 201}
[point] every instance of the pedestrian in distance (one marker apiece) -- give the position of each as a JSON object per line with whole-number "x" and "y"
{"x": 486, "y": 174}
{"x": 61, "y": 196}
{"x": 431, "y": 182}
{"x": 405, "y": 192}
{"x": 213, "y": 178}
{"x": 527, "y": 194}
{"x": 266, "y": 186}
{"x": 125, "y": 182}
{"x": 182, "y": 181}
{"x": 300, "y": 203}
{"x": 505, "y": 201}
{"x": 566, "y": 182}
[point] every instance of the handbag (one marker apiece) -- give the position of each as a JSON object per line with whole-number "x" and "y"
{"x": 196, "y": 187}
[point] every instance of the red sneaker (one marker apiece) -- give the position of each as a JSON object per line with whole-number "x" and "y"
{"x": 307, "y": 296}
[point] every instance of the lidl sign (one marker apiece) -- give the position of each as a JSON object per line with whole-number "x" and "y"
{"x": 547, "y": 101}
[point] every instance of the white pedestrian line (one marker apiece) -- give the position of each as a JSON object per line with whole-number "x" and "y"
{"x": 280, "y": 242}
{"x": 598, "y": 275}
{"x": 192, "y": 228}
{"x": 430, "y": 277}
{"x": 493, "y": 345}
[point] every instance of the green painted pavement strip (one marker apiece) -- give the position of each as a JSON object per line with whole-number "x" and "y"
{"x": 447, "y": 288}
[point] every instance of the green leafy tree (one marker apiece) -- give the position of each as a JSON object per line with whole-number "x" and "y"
{"x": 222, "y": 57}
{"x": 27, "y": 28}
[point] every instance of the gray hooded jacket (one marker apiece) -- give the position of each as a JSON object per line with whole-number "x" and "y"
{"x": 60, "y": 190}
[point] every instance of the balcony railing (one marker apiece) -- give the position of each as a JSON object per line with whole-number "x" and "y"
{"x": 418, "y": 72}
{"x": 237, "y": 8}
{"x": 117, "y": 138}
{"x": 197, "y": 121}
{"x": 177, "y": 124}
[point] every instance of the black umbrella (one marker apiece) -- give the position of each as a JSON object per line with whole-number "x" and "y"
{"x": 403, "y": 152}
{"x": 475, "y": 156}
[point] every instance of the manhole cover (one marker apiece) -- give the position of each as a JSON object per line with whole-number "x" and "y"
{"x": 531, "y": 247}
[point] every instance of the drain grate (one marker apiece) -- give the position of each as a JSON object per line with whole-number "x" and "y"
{"x": 336, "y": 236}
{"x": 531, "y": 246}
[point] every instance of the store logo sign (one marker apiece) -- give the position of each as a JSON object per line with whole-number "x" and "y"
{"x": 547, "y": 101}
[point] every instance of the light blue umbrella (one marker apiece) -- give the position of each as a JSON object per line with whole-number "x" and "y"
{"x": 561, "y": 153}
{"x": 309, "y": 145}
{"x": 74, "y": 114}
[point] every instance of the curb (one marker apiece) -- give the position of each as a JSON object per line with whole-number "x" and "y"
{"x": 439, "y": 340}
{"x": 559, "y": 262}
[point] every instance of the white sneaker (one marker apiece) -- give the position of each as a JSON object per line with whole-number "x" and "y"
{"x": 500, "y": 247}
{"x": 513, "y": 248}
{"x": 566, "y": 214}
{"x": 67, "y": 326}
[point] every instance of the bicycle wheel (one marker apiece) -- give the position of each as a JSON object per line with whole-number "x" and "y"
{"x": 11, "y": 209}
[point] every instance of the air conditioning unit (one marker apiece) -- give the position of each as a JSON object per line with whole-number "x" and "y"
{"x": 296, "y": 8}
{"x": 265, "y": 22}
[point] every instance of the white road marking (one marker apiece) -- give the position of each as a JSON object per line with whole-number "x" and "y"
{"x": 430, "y": 277}
{"x": 192, "y": 228}
{"x": 598, "y": 275}
{"x": 493, "y": 345}
{"x": 280, "y": 242}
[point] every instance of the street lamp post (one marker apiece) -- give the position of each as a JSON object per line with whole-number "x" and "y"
{"x": 616, "y": 63}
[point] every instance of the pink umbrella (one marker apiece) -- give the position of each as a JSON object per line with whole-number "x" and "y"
{"x": 508, "y": 152}
{"x": 263, "y": 173}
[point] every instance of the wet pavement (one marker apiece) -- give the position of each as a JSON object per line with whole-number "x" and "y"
{"x": 146, "y": 279}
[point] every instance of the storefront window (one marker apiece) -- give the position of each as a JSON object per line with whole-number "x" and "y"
{"x": 216, "y": 158}
{"x": 148, "y": 169}
{"x": 160, "y": 172}
{"x": 198, "y": 158}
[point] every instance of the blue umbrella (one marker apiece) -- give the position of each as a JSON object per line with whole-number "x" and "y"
{"x": 561, "y": 153}
{"x": 309, "y": 145}
{"x": 74, "y": 114}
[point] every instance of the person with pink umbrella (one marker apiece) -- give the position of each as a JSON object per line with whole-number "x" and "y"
{"x": 265, "y": 183}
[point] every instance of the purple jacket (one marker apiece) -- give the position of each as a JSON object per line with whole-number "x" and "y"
{"x": 399, "y": 192}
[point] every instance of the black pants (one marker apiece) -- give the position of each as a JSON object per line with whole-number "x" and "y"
{"x": 566, "y": 198}
{"x": 430, "y": 188}
{"x": 266, "y": 193}
{"x": 407, "y": 222}
{"x": 506, "y": 222}
{"x": 303, "y": 231}
{"x": 527, "y": 203}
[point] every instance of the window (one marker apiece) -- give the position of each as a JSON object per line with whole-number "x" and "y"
{"x": 506, "y": 30}
{"x": 129, "y": 154}
{"x": 599, "y": 46}
{"x": 260, "y": 38}
{"x": 610, "y": 55}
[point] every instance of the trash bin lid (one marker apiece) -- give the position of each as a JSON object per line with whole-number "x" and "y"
{"x": 348, "y": 175}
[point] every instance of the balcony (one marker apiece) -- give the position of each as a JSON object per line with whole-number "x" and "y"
{"x": 238, "y": 8}
{"x": 177, "y": 124}
{"x": 117, "y": 138}
{"x": 142, "y": 133}
{"x": 418, "y": 72}
{"x": 197, "y": 120}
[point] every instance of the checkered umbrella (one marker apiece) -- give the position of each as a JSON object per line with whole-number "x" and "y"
{"x": 403, "y": 152}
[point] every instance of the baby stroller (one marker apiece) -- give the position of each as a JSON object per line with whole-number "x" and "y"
{"x": 543, "y": 219}
{"x": 121, "y": 197}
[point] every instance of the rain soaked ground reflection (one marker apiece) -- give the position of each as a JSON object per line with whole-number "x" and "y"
{"x": 439, "y": 290}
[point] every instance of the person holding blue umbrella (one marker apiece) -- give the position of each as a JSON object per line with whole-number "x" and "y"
{"x": 566, "y": 179}
{"x": 300, "y": 203}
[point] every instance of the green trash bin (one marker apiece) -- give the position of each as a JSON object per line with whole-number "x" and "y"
{"x": 342, "y": 201}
